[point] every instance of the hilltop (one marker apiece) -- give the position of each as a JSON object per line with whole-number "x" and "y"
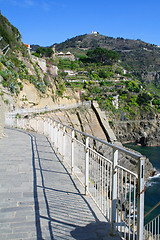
{"x": 140, "y": 58}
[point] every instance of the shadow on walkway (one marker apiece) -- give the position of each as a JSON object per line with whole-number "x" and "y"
{"x": 61, "y": 211}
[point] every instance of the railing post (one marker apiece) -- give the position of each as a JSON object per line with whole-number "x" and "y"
{"x": 52, "y": 131}
{"x": 23, "y": 123}
{"x": 140, "y": 199}
{"x": 114, "y": 190}
{"x": 54, "y": 134}
{"x": 37, "y": 124}
{"x": 58, "y": 136}
{"x": 48, "y": 127}
{"x": 17, "y": 122}
{"x": 64, "y": 142}
{"x": 72, "y": 151}
{"x": 43, "y": 119}
{"x": 86, "y": 165}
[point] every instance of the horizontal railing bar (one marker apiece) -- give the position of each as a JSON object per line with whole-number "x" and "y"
{"x": 99, "y": 155}
{"x": 132, "y": 154}
{"x": 48, "y": 109}
{"x": 151, "y": 210}
{"x": 152, "y": 220}
{"x": 126, "y": 170}
{"x": 76, "y": 140}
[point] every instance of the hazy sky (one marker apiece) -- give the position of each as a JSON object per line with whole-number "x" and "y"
{"x": 45, "y": 22}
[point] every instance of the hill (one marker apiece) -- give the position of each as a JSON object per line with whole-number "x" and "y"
{"x": 138, "y": 57}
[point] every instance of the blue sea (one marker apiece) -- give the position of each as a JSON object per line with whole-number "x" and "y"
{"x": 152, "y": 192}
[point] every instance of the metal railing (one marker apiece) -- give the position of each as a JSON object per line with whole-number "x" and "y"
{"x": 152, "y": 228}
{"x": 37, "y": 110}
{"x": 117, "y": 191}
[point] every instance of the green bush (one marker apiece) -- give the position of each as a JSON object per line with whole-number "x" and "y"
{"x": 143, "y": 98}
{"x": 133, "y": 86}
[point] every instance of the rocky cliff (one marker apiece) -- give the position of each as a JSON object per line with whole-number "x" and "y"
{"x": 144, "y": 132}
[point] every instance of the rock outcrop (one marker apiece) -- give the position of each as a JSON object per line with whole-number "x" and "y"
{"x": 144, "y": 132}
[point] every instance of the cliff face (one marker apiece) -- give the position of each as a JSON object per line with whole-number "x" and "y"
{"x": 142, "y": 132}
{"x": 2, "y": 117}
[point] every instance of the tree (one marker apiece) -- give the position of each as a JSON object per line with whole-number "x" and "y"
{"x": 133, "y": 86}
{"x": 143, "y": 98}
{"x": 45, "y": 51}
{"x": 103, "y": 55}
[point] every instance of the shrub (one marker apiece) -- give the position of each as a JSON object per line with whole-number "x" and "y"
{"x": 143, "y": 98}
{"x": 133, "y": 86}
{"x": 1, "y": 66}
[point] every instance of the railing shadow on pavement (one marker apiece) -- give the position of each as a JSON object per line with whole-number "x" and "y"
{"x": 66, "y": 212}
{"x": 108, "y": 183}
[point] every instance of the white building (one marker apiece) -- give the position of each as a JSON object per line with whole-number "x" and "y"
{"x": 115, "y": 101}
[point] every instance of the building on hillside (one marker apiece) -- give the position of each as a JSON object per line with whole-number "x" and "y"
{"x": 115, "y": 101}
{"x": 94, "y": 32}
{"x": 65, "y": 55}
{"x": 70, "y": 72}
{"x": 124, "y": 71}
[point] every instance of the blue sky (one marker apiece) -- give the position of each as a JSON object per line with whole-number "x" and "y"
{"x": 45, "y": 22}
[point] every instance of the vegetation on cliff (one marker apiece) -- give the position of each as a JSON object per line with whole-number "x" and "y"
{"x": 141, "y": 59}
{"x": 16, "y": 66}
{"x": 98, "y": 73}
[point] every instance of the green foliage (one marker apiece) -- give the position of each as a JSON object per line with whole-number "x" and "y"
{"x": 156, "y": 101}
{"x": 143, "y": 98}
{"x": 36, "y": 54}
{"x": 46, "y": 81}
{"x": 103, "y": 55}
{"x": 66, "y": 64}
{"x": 60, "y": 88}
{"x": 132, "y": 86}
{"x": 44, "y": 51}
{"x": 104, "y": 74}
{"x": 9, "y": 33}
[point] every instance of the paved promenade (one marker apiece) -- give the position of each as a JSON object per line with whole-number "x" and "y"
{"x": 38, "y": 198}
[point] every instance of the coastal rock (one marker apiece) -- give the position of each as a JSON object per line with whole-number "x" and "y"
{"x": 143, "y": 132}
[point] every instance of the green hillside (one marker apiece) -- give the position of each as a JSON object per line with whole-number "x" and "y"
{"x": 141, "y": 59}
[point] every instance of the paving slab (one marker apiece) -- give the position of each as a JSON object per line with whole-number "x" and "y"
{"x": 38, "y": 198}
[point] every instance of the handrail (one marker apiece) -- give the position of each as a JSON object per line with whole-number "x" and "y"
{"x": 152, "y": 209}
{"x": 45, "y": 109}
{"x": 132, "y": 154}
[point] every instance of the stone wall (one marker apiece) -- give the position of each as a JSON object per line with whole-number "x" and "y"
{"x": 2, "y": 117}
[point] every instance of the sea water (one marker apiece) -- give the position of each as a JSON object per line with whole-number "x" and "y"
{"x": 152, "y": 184}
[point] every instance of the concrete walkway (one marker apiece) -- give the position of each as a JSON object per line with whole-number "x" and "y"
{"x": 38, "y": 198}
